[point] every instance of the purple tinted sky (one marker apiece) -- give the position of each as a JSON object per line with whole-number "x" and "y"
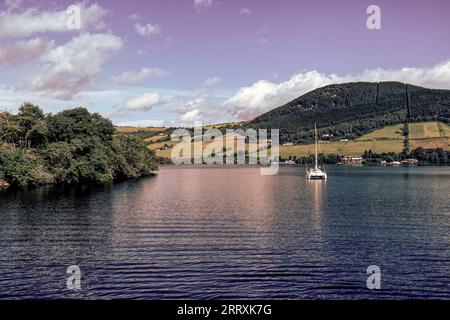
{"x": 325, "y": 35}
{"x": 275, "y": 41}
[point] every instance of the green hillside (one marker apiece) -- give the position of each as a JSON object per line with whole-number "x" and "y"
{"x": 350, "y": 110}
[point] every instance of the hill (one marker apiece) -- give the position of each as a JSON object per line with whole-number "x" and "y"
{"x": 350, "y": 110}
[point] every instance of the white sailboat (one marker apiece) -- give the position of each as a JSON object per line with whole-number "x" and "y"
{"x": 316, "y": 173}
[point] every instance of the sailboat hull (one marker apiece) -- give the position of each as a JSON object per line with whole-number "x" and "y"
{"x": 316, "y": 175}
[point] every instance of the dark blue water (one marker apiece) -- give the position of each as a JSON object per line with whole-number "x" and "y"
{"x": 210, "y": 233}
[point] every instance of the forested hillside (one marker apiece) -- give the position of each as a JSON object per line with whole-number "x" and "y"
{"x": 72, "y": 146}
{"x": 350, "y": 110}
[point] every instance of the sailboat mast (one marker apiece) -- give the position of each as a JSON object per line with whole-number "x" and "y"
{"x": 315, "y": 138}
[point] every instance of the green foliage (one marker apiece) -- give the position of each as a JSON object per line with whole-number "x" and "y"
{"x": 73, "y": 146}
{"x": 129, "y": 163}
{"x": 326, "y": 159}
{"x": 385, "y": 156}
{"x": 78, "y": 123}
{"x": 22, "y": 168}
{"x": 424, "y": 156}
{"x": 431, "y": 156}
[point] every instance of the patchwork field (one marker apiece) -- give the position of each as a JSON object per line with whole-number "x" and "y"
{"x": 388, "y": 139}
{"x": 429, "y": 135}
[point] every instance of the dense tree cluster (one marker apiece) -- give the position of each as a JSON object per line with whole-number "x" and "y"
{"x": 350, "y": 110}
{"x": 431, "y": 156}
{"x": 322, "y": 158}
{"x": 424, "y": 156}
{"x": 72, "y": 146}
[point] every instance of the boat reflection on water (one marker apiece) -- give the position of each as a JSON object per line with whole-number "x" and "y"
{"x": 317, "y": 190}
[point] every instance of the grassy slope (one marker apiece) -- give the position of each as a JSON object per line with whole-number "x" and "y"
{"x": 430, "y": 135}
{"x": 388, "y": 139}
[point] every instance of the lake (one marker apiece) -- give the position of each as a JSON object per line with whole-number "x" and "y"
{"x": 230, "y": 233}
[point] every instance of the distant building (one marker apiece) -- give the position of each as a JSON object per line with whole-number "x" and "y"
{"x": 410, "y": 162}
{"x": 352, "y": 160}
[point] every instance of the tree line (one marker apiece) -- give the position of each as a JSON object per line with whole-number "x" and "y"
{"x": 424, "y": 156}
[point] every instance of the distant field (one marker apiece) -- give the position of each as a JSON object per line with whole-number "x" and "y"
{"x": 388, "y": 139}
{"x": 156, "y": 138}
{"x": 425, "y": 130}
{"x": 137, "y": 129}
{"x": 429, "y": 135}
{"x": 164, "y": 148}
{"x": 391, "y": 132}
{"x": 344, "y": 148}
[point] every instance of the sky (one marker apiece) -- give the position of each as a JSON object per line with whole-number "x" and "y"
{"x": 173, "y": 62}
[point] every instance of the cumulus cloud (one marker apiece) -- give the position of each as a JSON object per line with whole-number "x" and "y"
{"x": 196, "y": 103}
{"x": 70, "y": 67}
{"x": 148, "y": 29}
{"x": 147, "y": 101}
{"x": 265, "y": 95}
{"x": 191, "y": 116}
{"x": 139, "y": 76}
{"x": 33, "y": 21}
{"x": 24, "y": 51}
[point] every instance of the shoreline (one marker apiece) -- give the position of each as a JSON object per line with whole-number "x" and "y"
{"x": 5, "y": 185}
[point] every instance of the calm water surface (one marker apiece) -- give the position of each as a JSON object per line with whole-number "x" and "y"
{"x": 228, "y": 232}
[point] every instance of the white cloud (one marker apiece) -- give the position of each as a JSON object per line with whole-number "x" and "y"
{"x": 196, "y": 103}
{"x": 148, "y": 29}
{"x": 137, "y": 77}
{"x": 264, "y": 95}
{"x": 190, "y": 116}
{"x": 245, "y": 11}
{"x": 32, "y": 21}
{"x": 25, "y": 50}
{"x": 71, "y": 67}
{"x": 147, "y": 101}
{"x": 210, "y": 82}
